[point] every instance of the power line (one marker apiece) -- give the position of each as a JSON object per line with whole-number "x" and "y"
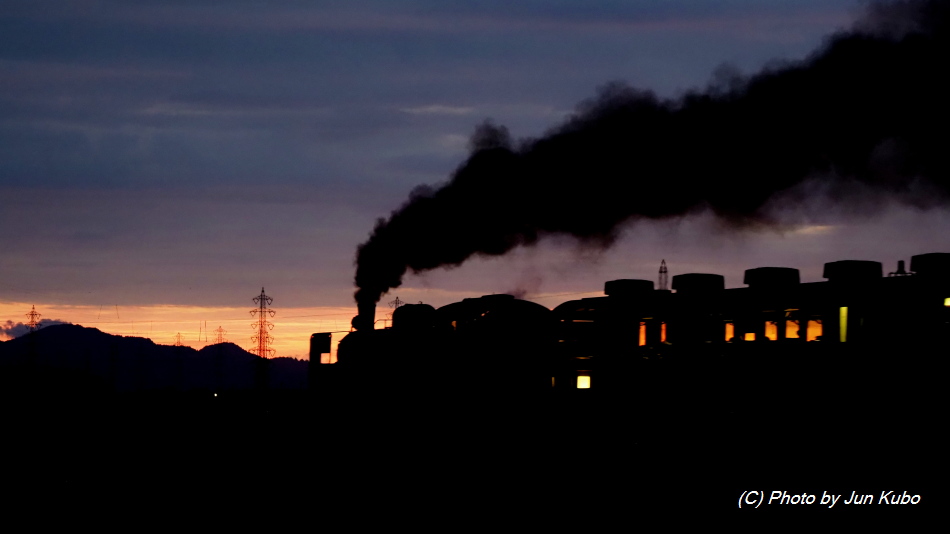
{"x": 345, "y": 314}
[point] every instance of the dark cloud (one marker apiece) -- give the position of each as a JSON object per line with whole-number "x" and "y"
{"x": 125, "y": 127}
{"x": 189, "y": 93}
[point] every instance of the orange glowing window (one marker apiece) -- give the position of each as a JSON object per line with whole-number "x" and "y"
{"x": 749, "y": 336}
{"x": 771, "y": 330}
{"x": 662, "y": 332}
{"x": 643, "y": 334}
{"x": 814, "y": 330}
{"x": 730, "y": 331}
{"x": 791, "y": 329}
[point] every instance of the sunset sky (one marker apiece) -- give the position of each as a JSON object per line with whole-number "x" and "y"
{"x": 161, "y": 161}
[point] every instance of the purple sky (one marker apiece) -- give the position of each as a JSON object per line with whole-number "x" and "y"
{"x": 188, "y": 153}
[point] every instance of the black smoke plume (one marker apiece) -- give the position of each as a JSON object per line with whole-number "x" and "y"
{"x": 870, "y": 107}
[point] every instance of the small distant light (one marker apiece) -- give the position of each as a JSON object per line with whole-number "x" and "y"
{"x": 583, "y": 382}
{"x": 946, "y": 302}
{"x": 215, "y": 394}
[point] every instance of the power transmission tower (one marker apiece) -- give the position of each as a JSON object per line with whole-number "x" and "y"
{"x": 219, "y": 335}
{"x": 34, "y": 317}
{"x": 178, "y": 342}
{"x": 263, "y": 339}
{"x": 392, "y": 304}
{"x": 34, "y": 324}
{"x": 664, "y": 282}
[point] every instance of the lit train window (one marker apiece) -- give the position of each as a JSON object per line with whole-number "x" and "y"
{"x": 643, "y": 334}
{"x": 791, "y": 329}
{"x": 662, "y": 332}
{"x": 814, "y": 331}
{"x": 771, "y": 330}
{"x": 583, "y": 381}
{"x": 749, "y": 336}
{"x": 946, "y": 302}
{"x": 730, "y": 331}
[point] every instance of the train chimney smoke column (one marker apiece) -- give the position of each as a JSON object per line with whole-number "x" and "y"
{"x": 366, "y": 316}
{"x": 868, "y": 108}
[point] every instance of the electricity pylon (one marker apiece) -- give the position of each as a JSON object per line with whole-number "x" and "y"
{"x": 263, "y": 339}
{"x": 34, "y": 317}
{"x": 219, "y": 335}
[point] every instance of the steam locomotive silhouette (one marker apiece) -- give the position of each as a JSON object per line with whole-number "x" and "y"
{"x": 844, "y": 335}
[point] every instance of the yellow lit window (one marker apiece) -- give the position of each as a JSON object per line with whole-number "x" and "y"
{"x": 946, "y": 302}
{"x": 730, "y": 331}
{"x": 583, "y": 382}
{"x": 749, "y": 336}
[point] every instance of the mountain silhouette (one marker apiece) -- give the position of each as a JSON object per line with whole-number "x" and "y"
{"x": 78, "y": 358}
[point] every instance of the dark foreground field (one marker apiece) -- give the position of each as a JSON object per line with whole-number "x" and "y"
{"x": 414, "y": 457}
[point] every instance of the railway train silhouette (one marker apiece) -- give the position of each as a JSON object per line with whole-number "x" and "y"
{"x": 857, "y": 328}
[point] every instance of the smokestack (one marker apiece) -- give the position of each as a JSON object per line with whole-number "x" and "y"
{"x": 865, "y": 110}
{"x": 365, "y": 317}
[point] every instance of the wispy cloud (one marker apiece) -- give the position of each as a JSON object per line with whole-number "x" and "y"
{"x": 814, "y": 229}
{"x": 437, "y": 17}
{"x": 439, "y": 109}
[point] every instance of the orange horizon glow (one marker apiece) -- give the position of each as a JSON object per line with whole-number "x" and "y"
{"x": 161, "y": 324}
